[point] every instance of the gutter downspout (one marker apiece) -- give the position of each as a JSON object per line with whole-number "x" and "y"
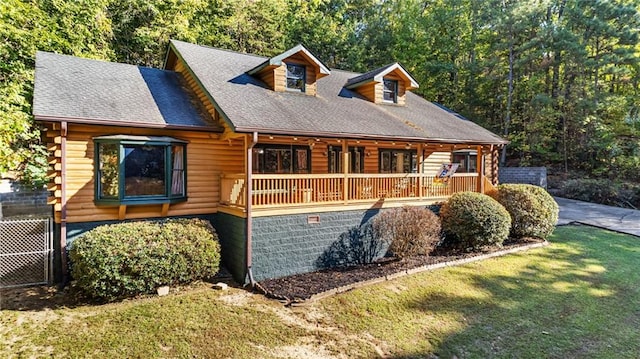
{"x": 63, "y": 202}
{"x": 249, "y": 253}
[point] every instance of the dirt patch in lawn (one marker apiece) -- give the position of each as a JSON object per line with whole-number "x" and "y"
{"x": 39, "y": 298}
{"x": 301, "y": 287}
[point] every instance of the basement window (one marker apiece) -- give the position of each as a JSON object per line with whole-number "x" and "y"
{"x": 139, "y": 170}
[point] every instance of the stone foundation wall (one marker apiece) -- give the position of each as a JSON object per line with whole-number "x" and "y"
{"x": 232, "y": 234}
{"x": 301, "y": 243}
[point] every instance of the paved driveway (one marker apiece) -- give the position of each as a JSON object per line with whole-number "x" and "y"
{"x": 614, "y": 218}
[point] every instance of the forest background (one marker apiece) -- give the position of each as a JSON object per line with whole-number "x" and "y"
{"x": 558, "y": 78}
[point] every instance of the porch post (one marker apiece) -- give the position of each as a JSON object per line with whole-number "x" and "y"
{"x": 480, "y": 184}
{"x": 345, "y": 170}
{"x": 249, "y": 203}
{"x": 63, "y": 202}
{"x": 494, "y": 165}
{"x": 420, "y": 170}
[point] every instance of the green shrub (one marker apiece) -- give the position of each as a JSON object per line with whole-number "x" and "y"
{"x": 591, "y": 190}
{"x": 533, "y": 211}
{"x": 409, "y": 230}
{"x": 125, "y": 259}
{"x": 620, "y": 194}
{"x": 473, "y": 220}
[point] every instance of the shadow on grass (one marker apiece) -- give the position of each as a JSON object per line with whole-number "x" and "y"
{"x": 39, "y": 298}
{"x": 576, "y": 298}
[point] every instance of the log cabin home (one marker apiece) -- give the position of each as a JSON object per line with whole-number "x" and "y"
{"x": 283, "y": 155}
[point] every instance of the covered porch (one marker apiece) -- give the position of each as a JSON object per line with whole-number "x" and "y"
{"x": 318, "y": 173}
{"x": 295, "y": 189}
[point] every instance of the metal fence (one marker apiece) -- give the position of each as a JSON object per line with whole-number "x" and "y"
{"x": 26, "y": 252}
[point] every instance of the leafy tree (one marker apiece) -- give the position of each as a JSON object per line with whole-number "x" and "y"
{"x": 78, "y": 28}
{"x": 559, "y": 78}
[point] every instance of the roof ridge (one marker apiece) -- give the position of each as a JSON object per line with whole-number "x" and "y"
{"x": 267, "y": 57}
{"x": 220, "y": 49}
{"x": 108, "y": 62}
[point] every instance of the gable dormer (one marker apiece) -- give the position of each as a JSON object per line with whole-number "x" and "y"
{"x": 387, "y": 84}
{"x": 296, "y": 69}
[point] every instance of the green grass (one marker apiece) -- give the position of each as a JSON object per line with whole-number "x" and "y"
{"x": 195, "y": 324}
{"x": 578, "y": 297}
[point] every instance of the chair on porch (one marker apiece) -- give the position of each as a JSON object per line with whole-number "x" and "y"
{"x": 403, "y": 188}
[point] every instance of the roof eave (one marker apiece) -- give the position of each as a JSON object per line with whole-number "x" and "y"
{"x": 413, "y": 84}
{"x": 379, "y": 77}
{"x": 108, "y": 122}
{"x": 366, "y": 136}
{"x": 359, "y": 83}
{"x": 278, "y": 59}
{"x": 258, "y": 68}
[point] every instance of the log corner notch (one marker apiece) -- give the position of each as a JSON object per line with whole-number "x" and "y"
{"x": 52, "y": 137}
{"x": 495, "y": 153}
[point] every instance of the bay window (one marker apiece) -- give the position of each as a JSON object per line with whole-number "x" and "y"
{"x": 139, "y": 170}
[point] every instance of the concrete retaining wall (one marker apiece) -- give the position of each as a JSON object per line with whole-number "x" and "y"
{"x": 18, "y": 200}
{"x": 529, "y": 175}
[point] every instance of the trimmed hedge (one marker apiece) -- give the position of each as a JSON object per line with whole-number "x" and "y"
{"x": 533, "y": 211}
{"x": 409, "y": 230}
{"x": 125, "y": 259}
{"x": 473, "y": 220}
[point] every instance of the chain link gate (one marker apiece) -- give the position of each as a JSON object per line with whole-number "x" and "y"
{"x": 26, "y": 252}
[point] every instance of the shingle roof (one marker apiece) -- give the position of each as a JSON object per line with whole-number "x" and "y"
{"x": 83, "y": 90}
{"x": 335, "y": 111}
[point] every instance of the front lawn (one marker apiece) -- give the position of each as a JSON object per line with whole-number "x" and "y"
{"x": 578, "y": 297}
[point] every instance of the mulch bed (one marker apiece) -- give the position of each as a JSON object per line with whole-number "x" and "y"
{"x": 301, "y": 287}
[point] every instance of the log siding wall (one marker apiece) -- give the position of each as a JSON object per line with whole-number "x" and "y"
{"x": 207, "y": 158}
{"x": 434, "y": 154}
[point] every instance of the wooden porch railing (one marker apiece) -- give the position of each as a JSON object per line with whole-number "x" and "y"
{"x": 488, "y": 186}
{"x": 232, "y": 190}
{"x": 271, "y": 190}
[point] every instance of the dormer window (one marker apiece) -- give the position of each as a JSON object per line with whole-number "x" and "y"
{"x": 293, "y": 70}
{"x": 296, "y": 77}
{"x": 390, "y": 91}
{"x": 387, "y": 84}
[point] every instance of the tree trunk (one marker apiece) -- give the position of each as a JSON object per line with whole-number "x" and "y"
{"x": 555, "y": 85}
{"x": 507, "y": 118}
